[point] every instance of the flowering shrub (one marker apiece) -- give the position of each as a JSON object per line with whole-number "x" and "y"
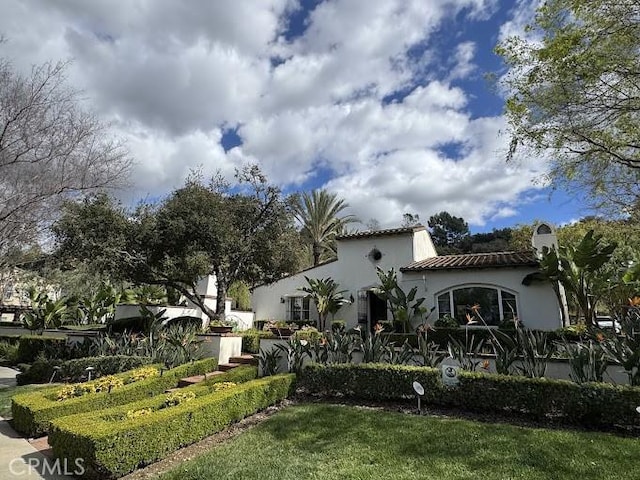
{"x": 139, "y": 413}
{"x": 143, "y": 373}
{"x": 217, "y": 387}
{"x": 176, "y": 398}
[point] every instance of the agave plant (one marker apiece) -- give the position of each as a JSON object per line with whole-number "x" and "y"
{"x": 296, "y": 351}
{"x": 45, "y": 313}
{"x": 340, "y": 347}
{"x": 401, "y": 356}
{"x": 536, "y": 352}
{"x": 587, "y": 360}
{"x": 372, "y": 345}
{"x": 467, "y": 353}
{"x": 268, "y": 361}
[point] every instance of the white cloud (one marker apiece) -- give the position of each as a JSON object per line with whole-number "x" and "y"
{"x": 346, "y": 96}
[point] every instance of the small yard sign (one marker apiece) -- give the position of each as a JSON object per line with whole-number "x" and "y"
{"x": 450, "y": 368}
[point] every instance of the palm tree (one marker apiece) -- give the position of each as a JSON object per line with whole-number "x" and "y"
{"x": 318, "y": 213}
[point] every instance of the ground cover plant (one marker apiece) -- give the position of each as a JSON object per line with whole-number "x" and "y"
{"x": 338, "y": 442}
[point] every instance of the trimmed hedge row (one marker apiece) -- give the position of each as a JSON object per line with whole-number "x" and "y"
{"x": 33, "y": 411}
{"x": 74, "y": 370}
{"x": 31, "y": 346}
{"x": 598, "y": 404}
{"x": 112, "y": 446}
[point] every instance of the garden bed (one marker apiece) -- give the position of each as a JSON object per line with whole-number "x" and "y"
{"x": 115, "y": 441}
{"x": 32, "y": 412}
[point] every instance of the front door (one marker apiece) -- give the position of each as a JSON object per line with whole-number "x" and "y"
{"x": 377, "y": 309}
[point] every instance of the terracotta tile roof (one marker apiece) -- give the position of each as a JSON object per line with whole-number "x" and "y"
{"x": 474, "y": 260}
{"x": 381, "y": 233}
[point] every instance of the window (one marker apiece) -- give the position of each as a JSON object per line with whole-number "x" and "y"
{"x": 297, "y": 309}
{"x": 495, "y": 304}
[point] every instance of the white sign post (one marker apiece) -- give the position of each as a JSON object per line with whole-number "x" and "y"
{"x": 450, "y": 368}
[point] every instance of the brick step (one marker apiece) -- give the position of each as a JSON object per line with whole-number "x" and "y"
{"x": 225, "y": 367}
{"x": 244, "y": 360}
{"x": 185, "y": 382}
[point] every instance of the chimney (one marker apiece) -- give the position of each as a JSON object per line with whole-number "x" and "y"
{"x": 544, "y": 235}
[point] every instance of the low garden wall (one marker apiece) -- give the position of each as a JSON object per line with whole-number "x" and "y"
{"x": 113, "y": 442}
{"x": 598, "y": 404}
{"x": 33, "y": 411}
{"x": 221, "y": 346}
{"x": 557, "y": 368}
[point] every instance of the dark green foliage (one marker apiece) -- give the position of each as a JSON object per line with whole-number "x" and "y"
{"x": 32, "y": 346}
{"x": 41, "y": 370}
{"x": 449, "y": 234}
{"x": 113, "y": 446}
{"x": 32, "y": 412}
{"x": 598, "y": 404}
{"x": 251, "y": 339}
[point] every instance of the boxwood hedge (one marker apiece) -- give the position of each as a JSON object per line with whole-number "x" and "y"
{"x": 597, "y": 404}
{"x": 110, "y": 444}
{"x": 33, "y": 411}
{"x": 31, "y": 346}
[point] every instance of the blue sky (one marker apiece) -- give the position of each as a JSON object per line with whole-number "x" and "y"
{"x": 384, "y": 102}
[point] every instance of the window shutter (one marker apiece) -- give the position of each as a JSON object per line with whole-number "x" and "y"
{"x": 362, "y": 306}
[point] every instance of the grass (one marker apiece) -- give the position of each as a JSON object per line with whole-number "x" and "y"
{"x": 7, "y": 392}
{"x": 340, "y": 442}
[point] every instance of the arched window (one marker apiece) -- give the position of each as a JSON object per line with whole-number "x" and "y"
{"x": 495, "y": 304}
{"x": 543, "y": 229}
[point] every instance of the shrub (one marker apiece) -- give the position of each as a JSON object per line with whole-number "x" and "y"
{"x": 33, "y": 411}
{"x": 8, "y": 352}
{"x": 32, "y": 346}
{"x": 251, "y": 339}
{"x": 41, "y": 370}
{"x": 598, "y": 404}
{"x": 112, "y": 444}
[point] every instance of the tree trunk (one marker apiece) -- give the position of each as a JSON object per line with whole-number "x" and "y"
{"x": 317, "y": 251}
{"x": 221, "y": 298}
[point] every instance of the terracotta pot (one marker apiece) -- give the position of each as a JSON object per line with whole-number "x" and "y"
{"x": 221, "y": 329}
{"x": 282, "y": 331}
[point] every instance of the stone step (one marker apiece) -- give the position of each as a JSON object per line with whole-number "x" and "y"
{"x": 225, "y": 367}
{"x": 244, "y": 360}
{"x": 185, "y": 382}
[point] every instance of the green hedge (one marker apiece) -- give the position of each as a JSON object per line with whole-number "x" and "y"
{"x": 598, "y": 404}
{"x": 33, "y": 411}
{"x": 73, "y": 370}
{"x": 251, "y": 339}
{"x": 112, "y": 446}
{"x": 31, "y": 346}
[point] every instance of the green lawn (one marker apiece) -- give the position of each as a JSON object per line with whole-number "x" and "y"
{"x": 338, "y": 442}
{"x": 7, "y": 392}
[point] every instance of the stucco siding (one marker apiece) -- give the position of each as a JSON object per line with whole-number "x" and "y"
{"x": 537, "y": 304}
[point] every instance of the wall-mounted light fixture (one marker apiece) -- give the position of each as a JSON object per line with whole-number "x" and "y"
{"x": 351, "y": 299}
{"x": 281, "y": 299}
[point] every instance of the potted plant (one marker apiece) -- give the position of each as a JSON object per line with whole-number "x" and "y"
{"x": 281, "y": 328}
{"x": 221, "y": 326}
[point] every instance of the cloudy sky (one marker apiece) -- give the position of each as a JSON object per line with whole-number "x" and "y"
{"x": 384, "y": 102}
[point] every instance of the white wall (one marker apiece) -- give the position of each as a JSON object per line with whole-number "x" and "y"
{"x": 353, "y": 271}
{"x": 537, "y": 304}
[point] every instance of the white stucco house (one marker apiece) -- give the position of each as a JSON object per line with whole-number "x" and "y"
{"x": 207, "y": 288}
{"x": 450, "y": 283}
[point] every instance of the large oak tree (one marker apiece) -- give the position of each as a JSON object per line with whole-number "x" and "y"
{"x": 245, "y": 234}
